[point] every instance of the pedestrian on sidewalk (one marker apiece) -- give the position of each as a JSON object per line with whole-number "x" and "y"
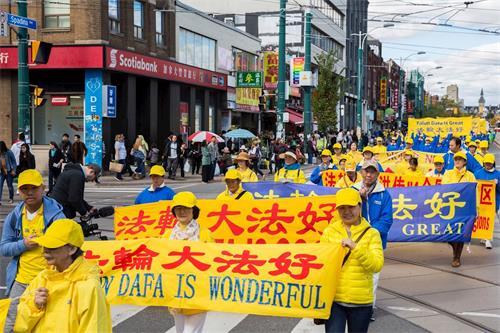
{"x": 187, "y": 228}
{"x": 364, "y": 257}
{"x": 65, "y": 147}
{"x": 213, "y": 148}
{"x": 7, "y": 170}
{"x": 67, "y": 295}
{"x": 206, "y": 163}
{"x": 194, "y": 156}
{"x": 183, "y": 159}
{"x": 121, "y": 156}
{"x": 28, "y": 220}
{"x": 171, "y": 156}
{"x": 154, "y": 155}
{"x": 26, "y": 159}
{"x": 56, "y": 160}
{"x": 255, "y": 156}
{"x": 225, "y": 161}
{"x": 78, "y": 150}
{"x": 158, "y": 191}
{"x": 139, "y": 152}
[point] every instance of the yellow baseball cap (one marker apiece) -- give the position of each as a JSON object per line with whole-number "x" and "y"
{"x": 326, "y": 152}
{"x": 472, "y": 144}
{"x": 409, "y": 141}
{"x": 483, "y": 144}
{"x": 185, "y": 199}
{"x": 157, "y": 170}
{"x": 337, "y": 146}
{"x": 343, "y": 157}
{"x": 350, "y": 165}
{"x": 60, "y": 233}
{"x": 368, "y": 149}
{"x": 438, "y": 159}
{"x": 232, "y": 174}
{"x": 460, "y": 154}
{"x": 409, "y": 152}
{"x": 478, "y": 142}
{"x": 348, "y": 197}
{"x": 468, "y": 139}
{"x": 30, "y": 177}
{"x": 489, "y": 158}
{"x": 379, "y": 139}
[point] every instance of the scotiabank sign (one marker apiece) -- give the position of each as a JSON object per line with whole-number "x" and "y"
{"x": 61, "y": 57}
{"x": 135, "y": 63}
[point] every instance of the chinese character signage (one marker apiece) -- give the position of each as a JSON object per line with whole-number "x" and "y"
{"x": 275, "y": 280}
{"x": 92, "y": 135}
{"x": 296, "y": 67}
{"x": 248, "y": 98}
{"x": 270, "y": 70}
{"x": 249, "y": 80}
{"x": 395, "y": 98}
{"x": 459, "y": 126}
{"x": 383, "y": 92}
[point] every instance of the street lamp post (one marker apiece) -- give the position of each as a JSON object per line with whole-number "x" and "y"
{"x": 402, "y": 85}
{"x": 361, "y": 45}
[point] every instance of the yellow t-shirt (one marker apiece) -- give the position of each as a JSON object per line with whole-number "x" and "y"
{"x": 32, "y": 261}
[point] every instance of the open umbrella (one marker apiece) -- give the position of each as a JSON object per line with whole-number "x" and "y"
{"x": 240, "y": 134}
{"x": 201, "y": 136}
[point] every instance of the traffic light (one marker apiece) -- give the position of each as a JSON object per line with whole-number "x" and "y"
{"x": 40, "y": 52}
{"x": 37, "y": 97}
{"x": 262, "y": 103}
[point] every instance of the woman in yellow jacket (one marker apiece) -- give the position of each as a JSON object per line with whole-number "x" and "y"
{"x": 291, "y": 172}
{"x": 234, "y": 190}
{"x": 247, "y": 174}
{"x": 364, "y": 256}
{"x": 350, "y": 177}
{"x": 67, "y": 296}
{"x": 354, "y": 154}
{"x": 458, "y": 174}
{"x": 413, "y": 170}
{"x": 187, "y": 228}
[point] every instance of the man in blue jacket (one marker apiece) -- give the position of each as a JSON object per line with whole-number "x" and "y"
{"x": 376, "y": 207}
{"x": 455, "y": 147}
{"x": 326, "y": 164}
{"x": 158, "y": 190}
{"x": 26, "y": 222}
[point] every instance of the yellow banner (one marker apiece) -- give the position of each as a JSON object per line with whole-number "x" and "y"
{"x": 388, "y": 179}
{"x": 248, "y": 96}
{"x": 4, "y": 308}
{"x": 486, "y": 196}
{"x": 290, "y": 220}
{"x": 479, "y": 126}
{"x": 431, "y": 126}
{"x": 273, "y": 280}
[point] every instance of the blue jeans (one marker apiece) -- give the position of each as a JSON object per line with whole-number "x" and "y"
{"x": 9, "y": 179}
{"x": 140, "y": 166}
{"x": 357, "y": 319}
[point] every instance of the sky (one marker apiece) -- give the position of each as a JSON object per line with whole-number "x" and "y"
{"x": 470, "y": 58}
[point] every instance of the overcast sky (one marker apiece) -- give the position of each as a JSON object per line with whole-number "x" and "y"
{"x": 470, "y": 58}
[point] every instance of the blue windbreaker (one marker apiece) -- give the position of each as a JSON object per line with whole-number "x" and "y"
{"x": 472, "y": 163}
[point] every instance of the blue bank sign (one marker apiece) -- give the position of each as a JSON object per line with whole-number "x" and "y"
{"x": 21, "y": 22}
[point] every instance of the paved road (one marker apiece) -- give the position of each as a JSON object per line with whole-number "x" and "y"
{"x": 419, "y": 290}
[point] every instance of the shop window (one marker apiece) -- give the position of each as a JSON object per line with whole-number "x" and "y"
{"x": 196, "y": 50}
{"x": 138, "y": 20}
{"x": 56, "y": 14}
{"x": 114, "y": 15}
{"x": 160, "y": 28}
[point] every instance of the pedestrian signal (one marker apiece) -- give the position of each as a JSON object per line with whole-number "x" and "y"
{"x": 40, "y": 52}
{"x": 37, "y": 97}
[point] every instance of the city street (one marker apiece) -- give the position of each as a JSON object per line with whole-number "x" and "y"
{"x": 418, "y": 291}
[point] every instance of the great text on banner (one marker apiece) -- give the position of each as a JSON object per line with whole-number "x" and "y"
{"x": 388, "y": 179}
{"x": 433, "y": 126}
{"x": 274, "y": 280}
{"x": 292, "y": 220}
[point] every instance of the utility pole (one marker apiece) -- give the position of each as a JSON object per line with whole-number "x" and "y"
{"x": 359, "y": 104}
{"x": 23, "y": 94}
{"x": 307, "y": 68}
{"x": 281, "y": 71}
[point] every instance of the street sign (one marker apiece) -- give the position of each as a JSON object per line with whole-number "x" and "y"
{"x": 249, "y": 80}
{"x": 21, "y": 22}
{"x": 4, "y": 27}
{"x": 109, "y": 101}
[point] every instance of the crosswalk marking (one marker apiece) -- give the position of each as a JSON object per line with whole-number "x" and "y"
{"x": 120, "y": 313}
{"x": 307, "y": 326}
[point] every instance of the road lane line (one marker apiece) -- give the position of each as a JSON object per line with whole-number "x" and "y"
{"x": 479, "y": 314}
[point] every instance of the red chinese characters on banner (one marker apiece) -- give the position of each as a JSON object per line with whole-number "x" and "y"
{"x": 304, "y": 261}
{"x": 165, "y": 221}
{"x": 273, "y": 218}
{"x": 135, "y": 224}
{"x": 223, "y": 218}
{"x": 331, "y": 179}
{"x": 140, "y": 259}
{"x": 309, "y": 217}
{"x": 187, "y": 255}
{"x": 244, "y": 263}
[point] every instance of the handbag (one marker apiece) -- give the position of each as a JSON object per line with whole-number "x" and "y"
{"x": 115, "y": 167}
{"x": 318, "y": 321}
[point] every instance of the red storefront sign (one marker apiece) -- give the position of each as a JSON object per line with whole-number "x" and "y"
{"x": 130, "y": 62}
{"x": 59, "y": 100}
{"x": 61, "y": 57}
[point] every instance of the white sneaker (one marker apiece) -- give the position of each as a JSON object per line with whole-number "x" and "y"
{"x": 482, "y": 241}
{"x": 488, "y": 245}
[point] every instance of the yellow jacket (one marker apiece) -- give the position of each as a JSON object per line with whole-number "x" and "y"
{"x": 227, "y": 196}
{"x": 346, "y": 182}
{"x": 356, "y": 277}
{"x": 356, "y": 156}
{"x": 417, "y": 173}
{"x": 379, "y": 149}
{"x": 76, "y": 302}
{"x": 454, "y": 176}
{"x": 479, "y": 158}
{"x": 248, "y": 175}
{"x": 294, "y": 176}
{"x": 336, "y": 159}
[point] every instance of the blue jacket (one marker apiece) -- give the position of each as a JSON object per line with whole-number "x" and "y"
{"x": 316, "y": 177}
{"x": 472, "y": 163}
{"x": 377, "y": 210}
{"x": 10, "y": 160}
{"x": 483, "y": 174}
{"x": 161, "y": 193}
{"x": 12, "y": 244}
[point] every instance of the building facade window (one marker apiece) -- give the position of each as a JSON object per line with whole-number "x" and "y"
{"x": 114, "y": 15}
{"x": 196, "y": 50}
{"x": 56, "y": 14}
{"x": 160, "y": 28}
{"x": 330, "y": 11}
{"x": 326, "y": 43}
{"x": 244, "y": 61}
{"x": 138, "y": 20}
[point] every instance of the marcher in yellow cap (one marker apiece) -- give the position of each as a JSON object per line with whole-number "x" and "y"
{"x": 247, "y": 174}
{"x": 67, "y": 296}
{"x": 291, "y": 171}
{"x": 368, "y": 153}
{"x": 158, "y": 191}
{"x": 472, "y": 148}
{"x": 483, "y": 150}
{"x": 458, "y": 174}
{"x": 185, "y": 209}
{"x": 27, "y": 221}
{"x": 379, "y": 148}
{"x": 365, "y": 257}
{"x": 354, "y": 154}
{"x": 337, "y": 149}
{"x": 350, "y": 177}
{"x": 326, "y": 164}
{"x": 439, "y": 170}
{"x": 341, "y": 162}
{"x": 234, "y": 190}
{"x": 409, "y": 144}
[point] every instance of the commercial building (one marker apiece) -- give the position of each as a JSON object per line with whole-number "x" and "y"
{"x": 452, "y": 93}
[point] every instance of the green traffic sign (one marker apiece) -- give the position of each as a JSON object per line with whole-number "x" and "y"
{"x": 249, "y": 80}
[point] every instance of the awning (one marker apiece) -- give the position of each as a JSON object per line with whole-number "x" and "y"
{"x": 295, "y": 117}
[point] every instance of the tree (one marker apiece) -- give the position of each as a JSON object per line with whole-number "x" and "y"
{"x": 328, "y": 93}
{"x": 444, "y": 108}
